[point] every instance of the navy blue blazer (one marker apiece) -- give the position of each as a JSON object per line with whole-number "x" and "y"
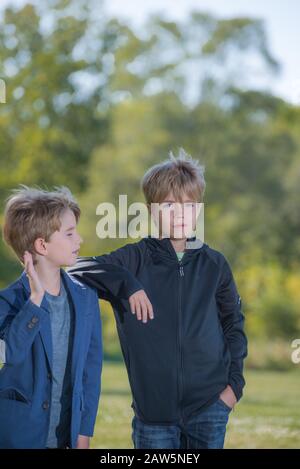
{"x": 26, "y": 379}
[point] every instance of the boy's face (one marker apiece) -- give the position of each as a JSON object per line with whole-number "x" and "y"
{"x": 64, "y": 244}
{"x": 176, "y": 219}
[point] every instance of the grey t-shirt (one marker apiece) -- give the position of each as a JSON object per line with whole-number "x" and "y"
{"x": 62, "y": 324}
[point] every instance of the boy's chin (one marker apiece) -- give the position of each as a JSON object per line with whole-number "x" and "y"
{"x": 71, "y": 262}
{"x": 179, "y": 234}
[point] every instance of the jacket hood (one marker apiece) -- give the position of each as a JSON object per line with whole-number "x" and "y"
{"x": 164, "y": 248}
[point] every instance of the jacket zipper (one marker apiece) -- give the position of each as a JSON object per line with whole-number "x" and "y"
{"x": 181, "y": 384}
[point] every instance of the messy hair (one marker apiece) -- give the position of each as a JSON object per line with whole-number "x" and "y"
{"x": 179, "y": 175}
{"x": 32, "y": 213}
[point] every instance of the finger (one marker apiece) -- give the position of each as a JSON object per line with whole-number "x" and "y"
{"x": 132, "y": 305}
{"x": 150, "y": 309}
{"x": 138, "y": 310}
{"x": 29, "y": 265}
{"x": 26, "y": 263}
{"x": 148, "y": 306}
{"x": 144, "y": 310}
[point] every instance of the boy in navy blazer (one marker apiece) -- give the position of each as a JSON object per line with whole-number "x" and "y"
{"x": 50, "y": 327}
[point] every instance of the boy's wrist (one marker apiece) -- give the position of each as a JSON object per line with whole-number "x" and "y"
{"x": 37, "y": 299}
{"x": 83, "y": 442}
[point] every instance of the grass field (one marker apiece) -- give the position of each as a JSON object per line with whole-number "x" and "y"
{"x": 267, "y": 417}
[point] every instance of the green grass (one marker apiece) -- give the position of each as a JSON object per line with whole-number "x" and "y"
{"x": 268, "y": 416}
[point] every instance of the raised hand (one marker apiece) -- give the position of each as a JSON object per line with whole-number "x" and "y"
{"x": 37, "y": 289}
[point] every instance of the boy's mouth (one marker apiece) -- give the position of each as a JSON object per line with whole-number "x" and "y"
{"x": 76, "y": 252}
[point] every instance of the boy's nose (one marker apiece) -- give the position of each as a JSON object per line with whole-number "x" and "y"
{"x": 178, "y": 210}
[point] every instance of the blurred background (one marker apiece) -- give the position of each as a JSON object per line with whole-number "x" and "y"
{"x": 96, "y": 92}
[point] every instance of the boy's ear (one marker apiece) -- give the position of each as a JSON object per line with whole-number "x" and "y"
{"x": 40, "y": 246}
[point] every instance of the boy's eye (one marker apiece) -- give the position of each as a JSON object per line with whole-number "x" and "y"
{"x": 191, "y": 204}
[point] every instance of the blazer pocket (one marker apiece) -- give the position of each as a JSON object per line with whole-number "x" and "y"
{"x": 13, "y": 394}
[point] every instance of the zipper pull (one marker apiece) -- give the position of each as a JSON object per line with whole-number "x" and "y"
{"x": 181, "y": 271}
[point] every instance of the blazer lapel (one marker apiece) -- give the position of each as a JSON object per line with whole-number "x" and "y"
{"x": 76, "y": 292}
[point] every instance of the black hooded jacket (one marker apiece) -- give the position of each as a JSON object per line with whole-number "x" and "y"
{"x": 181, "y": 361}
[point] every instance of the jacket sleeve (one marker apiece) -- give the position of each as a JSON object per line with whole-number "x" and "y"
{"x": 232, "y": 321}
{"x": 18, "y": 329}
{"x": 92, "y": 377}
{"x": 112, "y": 275}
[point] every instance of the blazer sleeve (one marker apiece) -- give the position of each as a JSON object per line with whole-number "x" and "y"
{"x": 18, "y": 328}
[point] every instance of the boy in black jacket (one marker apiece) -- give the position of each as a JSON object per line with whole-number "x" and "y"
{"x": 185, "y": 367}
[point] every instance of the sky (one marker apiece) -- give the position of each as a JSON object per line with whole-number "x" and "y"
{"x": 282, "y": 22}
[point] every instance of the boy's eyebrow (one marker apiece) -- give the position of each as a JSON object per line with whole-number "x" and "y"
{"x": 70, "y": 228}
{"x": 185, "y": 202}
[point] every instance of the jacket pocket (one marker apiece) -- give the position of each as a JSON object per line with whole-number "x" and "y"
{"x": 19, "y": 426}
{"x": 13, "y": 394}
{"x": 224, "y": 405}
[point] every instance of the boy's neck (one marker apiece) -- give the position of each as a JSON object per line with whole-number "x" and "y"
{"x": 178, "y": 244}
{"x": 49, "y": 276}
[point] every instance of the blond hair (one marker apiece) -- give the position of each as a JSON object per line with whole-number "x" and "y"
{"x": 181, "y": 175}
{"x": 32, "y": 213}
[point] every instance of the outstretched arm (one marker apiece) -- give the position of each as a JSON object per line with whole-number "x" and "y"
{"x": 113, "y": 281}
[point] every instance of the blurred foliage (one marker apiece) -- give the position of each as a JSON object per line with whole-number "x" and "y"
{"x": 92, "y": 103}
